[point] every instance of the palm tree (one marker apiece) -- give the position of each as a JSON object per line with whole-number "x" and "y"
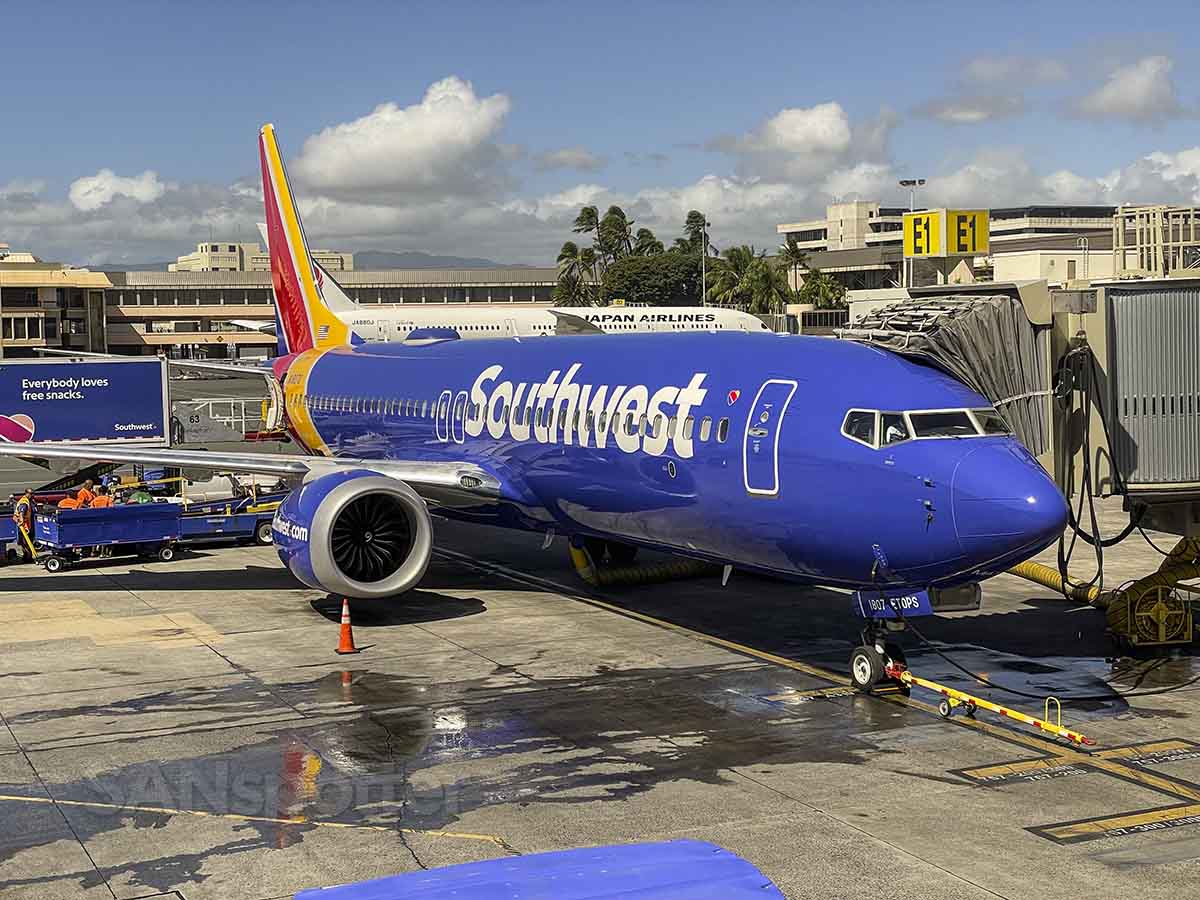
{"x": 822, "y": 290}
{"x": 615, "y": 234}
{"x": 742, "y": 276}
{"x": 794, "y": 259}
{"x": 587, "y": 222}
{"x": 768, "y": 286}
{"x": 645, "y": 243}
{"x": 694, "y": 227}
{"x": 728, "y": 283}
{"x": 576, "y": 275}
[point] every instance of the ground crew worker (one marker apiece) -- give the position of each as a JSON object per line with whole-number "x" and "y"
{"x": 102, "y": 499}
{"x": 23, "y": 516}
{"x": 86, "y": 494}
{"x": 68, "y": 502}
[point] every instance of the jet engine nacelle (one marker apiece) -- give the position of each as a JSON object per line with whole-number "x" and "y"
{"x": 355, "y": 534}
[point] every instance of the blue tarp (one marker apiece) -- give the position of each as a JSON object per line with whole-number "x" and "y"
{"x": 679, "y": 870}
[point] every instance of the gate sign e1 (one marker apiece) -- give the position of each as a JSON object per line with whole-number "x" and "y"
{"x": 891, "y": 604}
{"x": 92, "y": 401}
{"x": 939, "y": 233}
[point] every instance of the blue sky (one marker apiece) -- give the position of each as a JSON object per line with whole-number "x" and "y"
{"x": 137, "y": 121}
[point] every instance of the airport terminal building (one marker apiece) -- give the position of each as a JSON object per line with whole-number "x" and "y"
{"x": 201, "y": 313}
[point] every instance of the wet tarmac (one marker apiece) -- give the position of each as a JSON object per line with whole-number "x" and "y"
{"x": 186, "y": 730}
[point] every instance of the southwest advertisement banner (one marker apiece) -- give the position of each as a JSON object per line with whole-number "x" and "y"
{"x": 109, "y": 401}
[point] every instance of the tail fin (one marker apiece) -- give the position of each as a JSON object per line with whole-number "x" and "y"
{"x": 331, "y": 292}
{"x": 306, "y": 319}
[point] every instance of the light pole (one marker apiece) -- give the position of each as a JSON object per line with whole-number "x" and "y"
{"x": 704, "y": 261}
{"x": 912, "y": 184}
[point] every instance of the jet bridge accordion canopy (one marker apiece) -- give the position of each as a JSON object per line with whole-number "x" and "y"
{"x": 986, "y": 342}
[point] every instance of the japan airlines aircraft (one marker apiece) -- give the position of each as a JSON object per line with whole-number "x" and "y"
{"x": 399, "y": 323}
{"x": 814, "y": 459}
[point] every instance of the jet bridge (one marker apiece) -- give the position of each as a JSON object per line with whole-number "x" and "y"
{"x": 1102, "y": 384}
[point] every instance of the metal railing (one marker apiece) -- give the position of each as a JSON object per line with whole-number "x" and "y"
{"x": 240, "y": 414}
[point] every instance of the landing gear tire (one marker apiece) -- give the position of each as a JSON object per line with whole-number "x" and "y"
{"x": 866, "y": 668}
{"x": 621, "y": 554}
{"x": 262, "y": 534}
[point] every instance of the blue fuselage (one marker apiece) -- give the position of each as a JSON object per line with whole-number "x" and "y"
{"x": 727, "y": 447}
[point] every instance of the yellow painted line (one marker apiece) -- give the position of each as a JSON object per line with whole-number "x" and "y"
{"x": 815, "y": 693}
{"x": 1075, "y": 831}
{"x": 53, "y": 620}
{"x": 238, "y": 817}
{"x": 1016, "y": 768}
{"x": 1143, "y": 749}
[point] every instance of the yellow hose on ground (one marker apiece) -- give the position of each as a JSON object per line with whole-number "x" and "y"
{"x": 1048, "y": 577}
{"x": 647, "y": 574}
{"x": 1181, "y": 564}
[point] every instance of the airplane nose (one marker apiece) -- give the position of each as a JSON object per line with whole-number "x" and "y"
{"x": 1004, "y": 503}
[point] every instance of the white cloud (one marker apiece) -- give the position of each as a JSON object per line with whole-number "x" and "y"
{"x": 443, "y": 145}
{"x": 579, "y": 158}
{"x": 824, "y": 128}
{"x": 971, "y": 110}
{"x": 93, "y": 191}
{"x": 1005, "y": 70}
{"x": 22, "y": 187}
{"x": 1142, "y": 92}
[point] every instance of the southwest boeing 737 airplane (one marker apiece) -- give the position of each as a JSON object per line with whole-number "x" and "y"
{"x": 813, "y": 459}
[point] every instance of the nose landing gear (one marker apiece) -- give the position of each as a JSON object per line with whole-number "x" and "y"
{"x": 869, "y": 661}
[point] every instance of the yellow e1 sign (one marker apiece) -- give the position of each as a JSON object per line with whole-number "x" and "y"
{"x": 967, "y": 230}
{"x": 945, "y": 232}
{"x": 923, "y": 234}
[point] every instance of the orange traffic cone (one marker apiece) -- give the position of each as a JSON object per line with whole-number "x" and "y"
{"x": 346, "y": 640}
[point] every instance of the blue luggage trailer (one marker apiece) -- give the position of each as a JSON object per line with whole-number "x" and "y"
{"x": 142, "y": 529}
{"x": 670, "y": 870}
{"x": 240, "y": 519}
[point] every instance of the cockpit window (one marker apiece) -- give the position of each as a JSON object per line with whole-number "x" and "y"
{"x": 860, "y": 426}
{"x": 991, "y": 422}
{"x": 893, "y": 428}
{"x": 952, "y": 423}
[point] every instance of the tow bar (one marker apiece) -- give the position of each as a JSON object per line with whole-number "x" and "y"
{"x": 952, "y": 699}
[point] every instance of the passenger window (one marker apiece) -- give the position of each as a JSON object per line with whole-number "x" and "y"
{"x": 860, "y": 426}
{"x": 658, "y": 426}
{"x": 705, "y": 428}
{"x": 689, "y": 425}
{"x": 630, "y": 424}
{"x": 589, "y": 423}
{"x": 671, "y": 427}
{"x": 722, "y": 430}
{"x": 424, "y": 407}
{"x": 893, "y": 429}
{"x": 955, "y": 423}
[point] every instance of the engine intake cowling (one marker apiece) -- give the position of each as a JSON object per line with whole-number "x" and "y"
{"x": 355, "y": 533}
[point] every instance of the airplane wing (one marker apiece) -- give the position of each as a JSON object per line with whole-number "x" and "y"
{"x": 569, "y": 323}
{"x": 254, "y": 325}
{"x": 459, "y": 476}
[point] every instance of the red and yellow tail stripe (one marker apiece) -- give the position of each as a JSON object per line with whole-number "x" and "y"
{"x": 307, "y": 321}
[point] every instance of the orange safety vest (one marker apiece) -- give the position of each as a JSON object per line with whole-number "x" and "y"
{"x": 23, "y": 513}
{"x": 101, "y": 501}
{"x": 84, "y": 497}
{"x": 68, "y": 503}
